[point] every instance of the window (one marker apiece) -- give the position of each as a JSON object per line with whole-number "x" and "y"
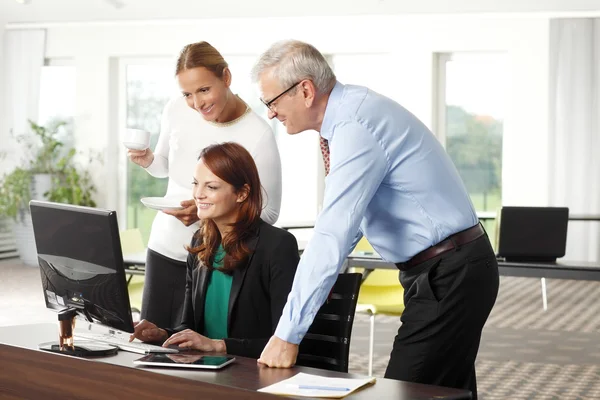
{"x": 57, "y": 98}
{"x": 149, "y": 86}
{"x": 241, "y": 84}
{"x": 470, "y": 122}
{"x": 370, "y": 70}
{"x": 300, "y": 154}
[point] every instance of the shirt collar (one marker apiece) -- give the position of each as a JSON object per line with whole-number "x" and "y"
{"x": 335, "y": 97}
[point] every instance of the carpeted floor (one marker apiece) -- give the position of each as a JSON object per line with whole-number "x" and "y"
{"x": 526, "y": 352}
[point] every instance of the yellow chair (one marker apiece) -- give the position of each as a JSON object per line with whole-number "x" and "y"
{"x": 380, "y": 293}
{"x": 132, "y": 242}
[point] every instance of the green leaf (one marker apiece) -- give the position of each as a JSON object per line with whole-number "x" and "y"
{"x": 70, "y": 182}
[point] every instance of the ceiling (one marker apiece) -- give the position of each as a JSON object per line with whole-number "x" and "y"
{"x": 37, "y": 11}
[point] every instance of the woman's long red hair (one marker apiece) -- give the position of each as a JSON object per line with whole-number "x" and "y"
{"x": 232, "y": 163}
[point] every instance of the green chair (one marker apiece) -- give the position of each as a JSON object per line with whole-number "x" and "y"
{"x": 380, "y": 293}
{"x": 132, "y": 242}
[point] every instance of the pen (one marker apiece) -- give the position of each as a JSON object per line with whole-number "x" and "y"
{"x": 311, "y": 387}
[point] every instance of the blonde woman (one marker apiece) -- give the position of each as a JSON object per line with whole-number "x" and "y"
{"x": 208, "y": 112}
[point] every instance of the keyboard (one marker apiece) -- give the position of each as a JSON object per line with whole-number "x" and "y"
{"x": 123, "y": 343}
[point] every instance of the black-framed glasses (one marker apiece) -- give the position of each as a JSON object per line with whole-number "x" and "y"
{"x": 269, "y": 103}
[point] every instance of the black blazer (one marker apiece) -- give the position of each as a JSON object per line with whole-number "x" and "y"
{"x": 259, "y": 291}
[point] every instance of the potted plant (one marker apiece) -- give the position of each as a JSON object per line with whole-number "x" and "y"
{"x": 49, "y": 172}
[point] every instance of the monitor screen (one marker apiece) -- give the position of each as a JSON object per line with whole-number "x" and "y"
{"x": 81, "y": 263}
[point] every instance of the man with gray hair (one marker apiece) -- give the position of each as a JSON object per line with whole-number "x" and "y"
{"x": 391, "y": 181}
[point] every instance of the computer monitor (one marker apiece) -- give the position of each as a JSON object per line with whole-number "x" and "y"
{"x": 532, "y": 233}
{"x": 81, "y": 262}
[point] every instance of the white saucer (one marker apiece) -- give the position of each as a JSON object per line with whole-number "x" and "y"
{"x": 162, "y": 203}
{"x": 135, "y": 146}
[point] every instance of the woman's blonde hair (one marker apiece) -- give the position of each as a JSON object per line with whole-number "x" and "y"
{"x": 201, "y": 54}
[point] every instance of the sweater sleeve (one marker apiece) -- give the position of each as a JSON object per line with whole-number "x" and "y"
{"x": 160, "y": 165}
{"x": 268, "y": 162}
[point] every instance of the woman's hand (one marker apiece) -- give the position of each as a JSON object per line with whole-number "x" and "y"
{"x": 143, "y": 158}
{"x": 188, "y": 215}
{"x": 146, "y": 331}
{"x": 193, "y": 340}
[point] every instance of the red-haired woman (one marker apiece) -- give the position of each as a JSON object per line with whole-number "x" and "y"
{"x": 239, "y": 269}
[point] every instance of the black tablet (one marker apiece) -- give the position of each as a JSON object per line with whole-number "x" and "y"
{"x": 185, "y": 360}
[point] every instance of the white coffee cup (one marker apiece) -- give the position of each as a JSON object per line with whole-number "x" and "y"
{"x": 137, "y": 139}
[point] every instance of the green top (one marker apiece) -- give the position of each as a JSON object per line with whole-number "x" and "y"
{"x": 216, "y": 304}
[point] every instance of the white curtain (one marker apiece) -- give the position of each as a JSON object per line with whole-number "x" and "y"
{"x": 23, "y": 58}
{"x": 575, "y": 129}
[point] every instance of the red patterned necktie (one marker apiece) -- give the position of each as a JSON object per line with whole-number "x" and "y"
{"x": 325, "y": 152}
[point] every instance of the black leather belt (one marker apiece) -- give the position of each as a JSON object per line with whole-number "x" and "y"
{"x": 450, "y": 243}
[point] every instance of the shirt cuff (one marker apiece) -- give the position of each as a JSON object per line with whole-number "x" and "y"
{"x": 286, "y": 331}
{"x": 153, "y": 169}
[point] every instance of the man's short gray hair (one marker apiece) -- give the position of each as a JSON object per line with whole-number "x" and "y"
{"x": 291, "y": 61}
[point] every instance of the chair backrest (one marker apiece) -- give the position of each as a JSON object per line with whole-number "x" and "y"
{"x": 327, "y": 342}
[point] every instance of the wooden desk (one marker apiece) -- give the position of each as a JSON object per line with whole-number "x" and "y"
{"x": 34, "y": 374}
{"x": 557, "y": 270}
{"x": 37, "y": 374}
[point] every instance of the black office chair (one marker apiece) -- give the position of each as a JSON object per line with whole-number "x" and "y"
{"x": 327, "y": 343}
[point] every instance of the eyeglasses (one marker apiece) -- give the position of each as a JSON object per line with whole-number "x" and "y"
{"x": 269, "y": 104}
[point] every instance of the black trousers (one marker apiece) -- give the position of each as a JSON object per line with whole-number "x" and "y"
{"x": 164, "y": 290}
{"x": 447, "y": 301}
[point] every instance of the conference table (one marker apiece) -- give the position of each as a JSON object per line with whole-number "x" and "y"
{"x": 577, "y": 270}
{"x": 370, "y": 261}
{"x": 580, "y": 270}
{"x": 26, "y": 372}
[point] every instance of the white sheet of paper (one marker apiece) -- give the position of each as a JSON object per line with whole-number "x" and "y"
{"x": 309, "y": 385}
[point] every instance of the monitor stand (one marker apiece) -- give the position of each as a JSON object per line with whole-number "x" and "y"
{"x": 65, "y": 345}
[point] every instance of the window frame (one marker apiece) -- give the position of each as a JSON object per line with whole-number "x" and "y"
{"x": 122, "y": 188}
{"x": 440, "y": 100}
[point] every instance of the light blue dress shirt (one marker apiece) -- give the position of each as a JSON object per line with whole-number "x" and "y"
{"x": 391, "y": 180}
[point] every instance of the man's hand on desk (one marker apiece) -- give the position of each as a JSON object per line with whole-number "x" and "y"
{"x": 190, "y": 339}
{"x": 279, "y": 353}
{"x": 188, "y": 215}
{"x": 146, "y": 331}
